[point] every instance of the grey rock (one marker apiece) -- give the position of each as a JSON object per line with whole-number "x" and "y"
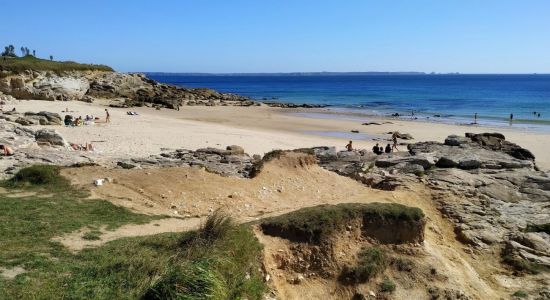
{"x": 50, "y": 136}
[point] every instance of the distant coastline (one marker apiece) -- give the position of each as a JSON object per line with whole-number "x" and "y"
{"x": 332, "y": 74}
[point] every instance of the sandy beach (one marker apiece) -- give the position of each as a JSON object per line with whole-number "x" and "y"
{"x": 257, "y": 129}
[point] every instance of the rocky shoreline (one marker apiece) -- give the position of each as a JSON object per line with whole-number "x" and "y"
{"x": 129, "y": 89}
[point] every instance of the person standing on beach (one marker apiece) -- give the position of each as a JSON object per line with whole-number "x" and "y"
{"x": 511, "y": 117}
{"x": 475, "y": 118}
{"x": 394, "y": 138}
{"x": 107, "y": 116}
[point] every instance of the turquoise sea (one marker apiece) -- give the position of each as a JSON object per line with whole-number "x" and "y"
{"x": 439, "y": 98}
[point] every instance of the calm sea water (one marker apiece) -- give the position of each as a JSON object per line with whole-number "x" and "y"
{"x": 453, "y": 98}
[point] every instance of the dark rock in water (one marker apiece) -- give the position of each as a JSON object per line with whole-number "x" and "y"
{"x": 293, "y": 105}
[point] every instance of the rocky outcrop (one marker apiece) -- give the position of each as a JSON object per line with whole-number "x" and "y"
{"x": 36, "y": 147}
{"x": 488, "y": 187}
{"x": 292, "y": 105}
{"x": 497, "y": 142}
{"x": 134, "y": 89}
{"x": 229, "y": 162}
{"x": 50, "y": 137}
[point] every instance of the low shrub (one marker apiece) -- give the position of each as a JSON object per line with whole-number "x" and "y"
{"x": 520, "y": 294}
{"x": 371, "y": 262}
{"x": 37, "y": 175}
{"x": 93, "y": 235}
{"x": 387, "y": 286}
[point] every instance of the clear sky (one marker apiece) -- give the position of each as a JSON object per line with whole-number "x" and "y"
{"x": 468, "y": 36}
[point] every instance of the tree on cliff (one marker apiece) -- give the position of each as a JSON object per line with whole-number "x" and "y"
{"x": 22, "y": 51}
{"x": 9, "y": 51}
{"x": 51, "y": 57}
{"x": 34, "y": 53}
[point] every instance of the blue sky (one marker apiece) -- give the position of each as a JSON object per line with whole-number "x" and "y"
{"x": 469, "y": 36}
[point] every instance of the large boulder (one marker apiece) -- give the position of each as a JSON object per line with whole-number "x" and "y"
{"x": 50, "y": 136}
{"x": 455, "y": 140}
{"x": 497, "y": 142}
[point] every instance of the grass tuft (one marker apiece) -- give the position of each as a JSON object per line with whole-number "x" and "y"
{"x": 387, "y": 286}
{"x": 93, "y": 235}
{"x": 37, "y": 175}
{"x": 371, "y": 262}
{"x": 520, "y": 294}
{"x": 219, "y": 261}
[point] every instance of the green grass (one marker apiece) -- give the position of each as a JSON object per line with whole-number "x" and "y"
{"x": 316, "y": 224}
{"x": 213, "y": 263}
{"x": 38, "y": 175}
{"x": 387, "y": 286}
{"x": 371, "y": 262}
{"x": 520, "y": 294}
{"x": 93, "y": 235}
{"x": 205, "y": 264}
{"x": 20, "y": 64}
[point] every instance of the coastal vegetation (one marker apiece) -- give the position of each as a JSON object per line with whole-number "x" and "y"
{"x": 317, "y": 224}
{"x": 29, "y": 62}
{"x": 38, "y": 206}
{"x": 371, "y": 262}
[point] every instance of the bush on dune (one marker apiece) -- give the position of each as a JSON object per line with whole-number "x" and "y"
{"x": 315, "y": 224}
{"x": 38, "y": 175}
{"x": 219, "y": 261}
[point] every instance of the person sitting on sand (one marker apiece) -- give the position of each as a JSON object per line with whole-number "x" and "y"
{"x": 6, "y": 150}
{"x": 394, "y": 138}
{"x": 349, "y": 146}
{"x": 68, "y": 120}
{"x": 388, "y": 148}
{"x": 376, "y": 149}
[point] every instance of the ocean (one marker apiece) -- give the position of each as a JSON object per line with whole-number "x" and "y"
{"x": 437, "y": 98}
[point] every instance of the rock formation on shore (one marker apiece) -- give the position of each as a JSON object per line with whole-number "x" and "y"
{"x": 134, "y": 89}
{"x": 488, "y": 187}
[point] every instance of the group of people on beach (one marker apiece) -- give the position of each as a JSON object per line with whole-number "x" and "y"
{"x": 88, "y": 120}
{"x": 377, "y": 149}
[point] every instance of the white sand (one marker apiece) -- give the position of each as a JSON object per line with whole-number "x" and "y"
{"x": 257, "y": 129}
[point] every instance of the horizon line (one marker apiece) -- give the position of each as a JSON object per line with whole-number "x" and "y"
{"x": 306, "y": 73}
